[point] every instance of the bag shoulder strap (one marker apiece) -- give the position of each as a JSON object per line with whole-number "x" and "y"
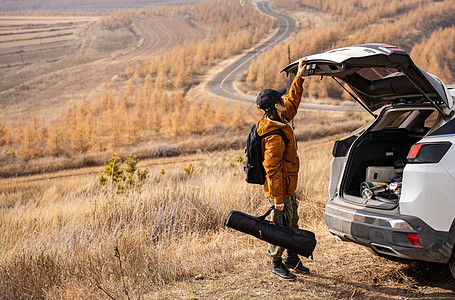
{"x": 280, "y": 133}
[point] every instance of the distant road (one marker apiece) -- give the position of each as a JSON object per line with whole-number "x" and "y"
{"x": 223, "y": 83}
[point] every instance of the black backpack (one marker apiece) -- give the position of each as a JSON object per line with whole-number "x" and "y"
{"x": 255, "y": 172}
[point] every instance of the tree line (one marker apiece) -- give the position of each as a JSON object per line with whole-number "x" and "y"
{"x": 126, "y": 119}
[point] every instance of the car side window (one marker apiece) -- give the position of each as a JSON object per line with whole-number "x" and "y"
{"x": 429, "y": 122}
{"x": 448, "y": 128}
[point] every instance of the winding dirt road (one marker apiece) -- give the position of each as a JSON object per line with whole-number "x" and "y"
{"x": 222, "y": 84}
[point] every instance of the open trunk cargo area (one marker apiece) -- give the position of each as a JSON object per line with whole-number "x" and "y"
{"x": 377, "y": 158}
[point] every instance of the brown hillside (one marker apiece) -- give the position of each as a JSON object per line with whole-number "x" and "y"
{"x": 97, "y": 50}
{"x": 137, "y": 99}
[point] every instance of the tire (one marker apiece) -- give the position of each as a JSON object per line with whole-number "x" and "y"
{"x": 452, "y": 263}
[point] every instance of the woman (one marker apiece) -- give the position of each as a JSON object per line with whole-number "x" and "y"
{"x": 281, "y": 164}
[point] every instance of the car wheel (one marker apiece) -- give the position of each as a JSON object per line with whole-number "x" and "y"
{"x": 452, "y": 263}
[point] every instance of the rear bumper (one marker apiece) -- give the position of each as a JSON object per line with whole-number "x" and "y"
{"x": 387, "y": 234}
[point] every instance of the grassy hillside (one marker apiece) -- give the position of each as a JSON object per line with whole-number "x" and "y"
{"x": 145, "y": 104}
{"x": 123, "y": 117}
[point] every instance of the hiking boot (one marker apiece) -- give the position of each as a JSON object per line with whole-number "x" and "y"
{"x": 292, "y": 261}
{"x": 280, "y": 271}
{"x": 299, "y": 268}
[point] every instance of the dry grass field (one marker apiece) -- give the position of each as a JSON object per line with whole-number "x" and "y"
{"x": 69, "y": 238}
{"x": 32, "y": 41}
{"x": 59, "y": 60}
{"x": 65, "y": 236}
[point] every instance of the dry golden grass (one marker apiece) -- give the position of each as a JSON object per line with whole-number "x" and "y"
{"x": 69, "y": 231}
{"x": 58, "y": 240}
{"x": 62, "y": 236}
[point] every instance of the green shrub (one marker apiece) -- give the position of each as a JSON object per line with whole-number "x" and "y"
{"x": 120, "y": 177}
{"x": 189, "y": 170}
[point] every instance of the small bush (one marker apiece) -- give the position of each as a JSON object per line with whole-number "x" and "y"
{"x": 189, "y": 170}
{"x": 122, "y": 178}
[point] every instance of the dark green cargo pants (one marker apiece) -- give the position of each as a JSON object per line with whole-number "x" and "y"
{"x": 290, "y": 208}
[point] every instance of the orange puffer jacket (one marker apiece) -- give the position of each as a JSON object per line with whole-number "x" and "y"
{"x": 281, "y": 168}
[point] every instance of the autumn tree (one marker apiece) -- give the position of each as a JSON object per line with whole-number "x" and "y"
{"x": 173, "y": 122}
{"x": 138, "y": 115}
{"x": 161, "y": 80}
{"x": 119, "y": 123}
{"x": 80, "y": 132}
{"x": 193, "y": 121}
{"x": 5, "y": 135}
{"x": 238, "y": 121}
{"x": 437, "y": 54}
{"x": 180, "y": 78}
{"x": 56, "y": 141}
{"x": 126, "y": 120}
{"x": 207, "y": 113}
{"x": 222, "y": 114}
{"x": 33, "y": 136}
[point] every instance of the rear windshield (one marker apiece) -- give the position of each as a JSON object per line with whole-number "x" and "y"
{"x": 398, "y": 120}
{"x": 416, "y": 120}
{"x": 373, "y": 74}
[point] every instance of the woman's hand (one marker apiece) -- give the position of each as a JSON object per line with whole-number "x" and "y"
{"x": 301, "y": 68}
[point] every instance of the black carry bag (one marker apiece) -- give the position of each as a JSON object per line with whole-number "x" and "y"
{"x": 297, "y": 240}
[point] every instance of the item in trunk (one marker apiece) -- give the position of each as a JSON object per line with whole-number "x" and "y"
{"x": 386, "y": 197}
{"x": 386, "y": 190}
{"x": 379, "y": 173}
{"x": 372, "y": 184}
{"x": 369, "y": 193}
{"x": 395, "y": 187}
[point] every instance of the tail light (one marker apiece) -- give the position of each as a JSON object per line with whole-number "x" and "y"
{"x": 428, "y": 152}
{"x": 414, "y": 239}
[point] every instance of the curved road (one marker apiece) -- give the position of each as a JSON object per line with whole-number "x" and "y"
{"x": 223, "y": 83}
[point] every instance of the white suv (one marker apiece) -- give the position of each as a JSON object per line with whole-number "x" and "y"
{"x": 392, "y": 183}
